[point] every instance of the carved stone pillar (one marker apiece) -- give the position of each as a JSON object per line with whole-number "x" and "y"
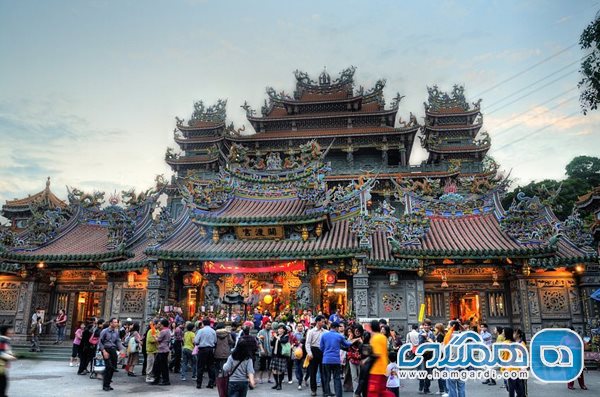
{"x": 23, "y": 316}
{"x": 350, "y": 158}
{"x": 360, "y": 284}
{"x": 152, "y": 297}
{"x": 587, "y": 284}
{"x": 108, "y": 299}
{"x": 211, "y": 292}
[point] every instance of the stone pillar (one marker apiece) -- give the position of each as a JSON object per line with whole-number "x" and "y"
{"x": 402, "y": 151}
{"x": 384, "y": 157}
{"x": 108, "y": 298}
{"x": 350, "y": 158}
{"x": 152, "y": 296}
{"x": 23, "y": 317}
{"x": 587, "y": 284}
{"x": 360, "y": 284}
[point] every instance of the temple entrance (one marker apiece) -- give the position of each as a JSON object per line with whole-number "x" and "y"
{"x": 465, "y": 307}
{"x": 335, "y": 296}
{"x": 88, "y": 305}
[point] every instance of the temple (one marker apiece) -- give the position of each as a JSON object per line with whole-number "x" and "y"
{"x": 317, "y": 208}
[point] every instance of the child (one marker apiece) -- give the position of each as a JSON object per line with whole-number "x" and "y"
{"x": 393, "y": 382}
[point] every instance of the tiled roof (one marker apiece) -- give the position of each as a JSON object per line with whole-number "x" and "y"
{"x": 445, "y": 127}
{"x": 287, "y": 134}
{"x": 199, "y": 139}
{"x": 452, "y": 111}
{"x": 590, "y": 201}
{"x": 201, "y": 159}
{"x": 472, "y": 235}
{"x": 138, "y": 261}
{"x": 201, "y": 125}
{"x": 82, "y": 242}
{"x": 366, "y": 110}
{"x": 45, "y": 195}
{"x": 240, "y": 210}
{"x": 463, "y": 148}
{"x": 324, "y": 96}
{"x": 187, "y": 243}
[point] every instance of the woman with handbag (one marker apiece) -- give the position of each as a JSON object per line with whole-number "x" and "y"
{"x": 238, "y": 372}
{"x": 133, "y": 348}
{"x": 60, "y": 322}
{"x": 281, "y": 352}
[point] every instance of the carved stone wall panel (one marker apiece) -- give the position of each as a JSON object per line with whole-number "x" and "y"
{"x": 70, "y": 310}
{"x": 411, "y": 299}
{"x": 361, "y": 302}
{"x": 22, "y": 298}
{"x": 554, "y": 301}
{"x": 133, "y": 303}
{"x": 373, "y": 302}
{"x": 108, "y": 300}
{"x": 534, "y": 307}
{"x": 117, "y": 299}
{"x": 360, "y": 281}
{"x": 515, "y": 301}
{"x": 303, "y": 296}
{"x": 574, "y": 301}
{"x": 152, "y": 303}
{"x": 393, "y": 304}
{"x": 9, "y": 298}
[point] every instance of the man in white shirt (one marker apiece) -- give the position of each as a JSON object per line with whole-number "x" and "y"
{"x": 314, "y": 353}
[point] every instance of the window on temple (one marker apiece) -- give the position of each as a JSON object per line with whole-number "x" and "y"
{"x": 497, "y": 304}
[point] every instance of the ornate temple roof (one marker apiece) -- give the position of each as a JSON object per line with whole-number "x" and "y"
{"x": 590, "y": 201}
{"x": 323, "y": 133}
{"x": 45, "y": 198}
{"x": 454, "y": 103}
{"x": 84, "y": 232}
{"x": 189, "y": 244}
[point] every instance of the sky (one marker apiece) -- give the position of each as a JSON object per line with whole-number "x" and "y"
{"x": 89, "y": 90}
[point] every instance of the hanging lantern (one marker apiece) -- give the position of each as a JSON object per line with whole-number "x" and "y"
{"x": 330, "y": 278}
{"x": 23, "y": 273}
{"x": 342, "y": 266}
{"x": 526, "y": 270}
{"x": 354, "y": 266}
{"x": 187, "y": 279}
{"x": 319, "y": 229}
{"x": 304, "y": 233}
{"x": 215, "y": 235}
{"x": 268, "y": 299}
{"x": 41, "y": 265}
{"x": 421, "y": 270}
{"x": 393, "y": 279}
{"x": 175, "y": 268}
{"x": 317, "y": 267}
{"x": 202, "y": 231}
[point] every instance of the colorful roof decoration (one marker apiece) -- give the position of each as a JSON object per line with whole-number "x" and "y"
{"x": 23, "y": 207}
{"x": 89, "y": 234}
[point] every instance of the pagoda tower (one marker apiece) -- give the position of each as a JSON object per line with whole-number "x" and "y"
{"x": 450, "y": 131}
{"x": 354, "y": 125}
{"x": 199, "y": 139}
{"x": 19, "y": 211}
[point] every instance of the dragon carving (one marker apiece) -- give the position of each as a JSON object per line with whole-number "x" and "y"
{"x": 86, "y": 200}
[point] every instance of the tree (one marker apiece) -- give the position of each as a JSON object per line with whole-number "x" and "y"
{"x": 583, "y": 173}
{"x": 586, "y": 168}
{"x": 590, "y": 66}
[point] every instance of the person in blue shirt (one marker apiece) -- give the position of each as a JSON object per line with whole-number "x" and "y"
{"x": 257, "y": 319}
{"x": 336, "y": 317}
{"x": 331, "y": 344}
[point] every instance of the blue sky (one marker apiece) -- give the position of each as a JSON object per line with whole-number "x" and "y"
{"x": 90, "y": 89}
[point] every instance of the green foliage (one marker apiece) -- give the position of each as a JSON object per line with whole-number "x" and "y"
{"x": 583, "y": 173}
{"x": 586, "y": 168}
{"x": 590, "y": 66}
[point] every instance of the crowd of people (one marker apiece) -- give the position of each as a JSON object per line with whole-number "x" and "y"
{"x": 307, "y": 350}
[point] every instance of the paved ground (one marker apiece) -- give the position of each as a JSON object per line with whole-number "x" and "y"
{"x": 35, "y": 378}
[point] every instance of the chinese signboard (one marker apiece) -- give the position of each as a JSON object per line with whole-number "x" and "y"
{"x": 233, "y": 267}
{"x": 259, "y": 232}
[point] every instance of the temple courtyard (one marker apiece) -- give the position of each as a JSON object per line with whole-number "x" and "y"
{"x": 42, "y": 378}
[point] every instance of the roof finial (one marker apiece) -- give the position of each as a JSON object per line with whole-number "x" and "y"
{"x": 324, "y": 78}
{"x": 48, "y": 184}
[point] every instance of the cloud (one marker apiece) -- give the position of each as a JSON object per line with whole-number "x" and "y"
{"x": 564, "y": 19}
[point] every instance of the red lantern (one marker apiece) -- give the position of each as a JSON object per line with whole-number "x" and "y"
{"x": 330, "y": 278}
{"x": 187, "y": 280}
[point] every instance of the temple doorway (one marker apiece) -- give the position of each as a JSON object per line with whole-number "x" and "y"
{"x": 466, "y": 307}
{"x": 89, "y": 305}
{"x": 336, "y": 296}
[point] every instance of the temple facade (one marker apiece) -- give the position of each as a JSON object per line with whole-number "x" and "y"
{"x": 317, "y": 208}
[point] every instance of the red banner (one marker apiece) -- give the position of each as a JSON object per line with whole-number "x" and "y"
{"x": 233, "y": 267}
